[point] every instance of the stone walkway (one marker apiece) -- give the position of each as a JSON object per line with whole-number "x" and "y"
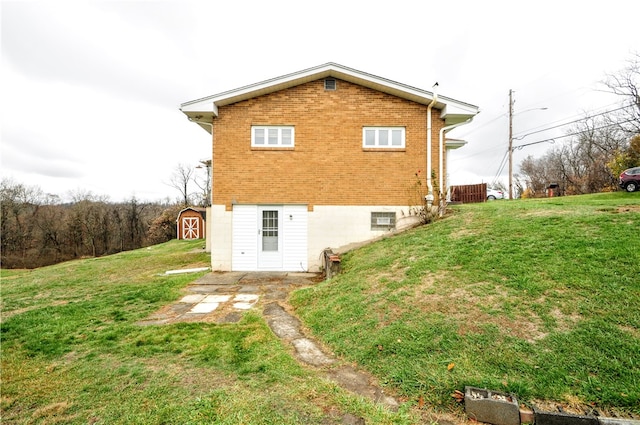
{"x": 224, "y": 297}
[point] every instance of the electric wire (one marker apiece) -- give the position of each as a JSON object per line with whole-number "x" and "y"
{"x": 552, "y": 139}
{"x": 567, "y": 123}
{"x": 503, "y": 163}
{"x": 576, "y": 116}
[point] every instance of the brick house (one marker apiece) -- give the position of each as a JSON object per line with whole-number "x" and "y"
{"x": 321, "y": 158}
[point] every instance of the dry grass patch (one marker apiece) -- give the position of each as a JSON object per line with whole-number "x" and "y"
{"x": 474, "y": 307}
{"x": 53, "y": 413}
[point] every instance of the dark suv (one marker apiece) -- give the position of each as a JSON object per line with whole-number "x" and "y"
{"x": 630, "y": 179}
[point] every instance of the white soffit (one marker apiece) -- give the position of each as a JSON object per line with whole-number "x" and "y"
{"x": 454, "y": 143}
{"x": 206, "y": 108}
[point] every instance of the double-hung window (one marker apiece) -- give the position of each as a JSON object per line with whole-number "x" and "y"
{"x": 267, "y": 136}
{"x": 383, "y": 137}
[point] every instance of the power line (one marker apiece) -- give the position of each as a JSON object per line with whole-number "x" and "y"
{"x": 552, "y": 139}
{"x": 569, "y": 122}
{"x": 577, "y": 116}
{"x": 503, "y": 163}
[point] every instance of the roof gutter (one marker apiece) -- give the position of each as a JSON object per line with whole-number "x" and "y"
{"x": 429, "y": 197}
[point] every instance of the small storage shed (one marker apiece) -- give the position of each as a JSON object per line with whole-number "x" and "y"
{"x": 192, "y": 223}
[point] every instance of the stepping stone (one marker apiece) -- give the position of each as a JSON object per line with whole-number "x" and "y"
{"x": 245, "y": 301}
{"x": 204, "y": 308}
{"x": 216, "y": 298}
{"x": 192, "y": 299}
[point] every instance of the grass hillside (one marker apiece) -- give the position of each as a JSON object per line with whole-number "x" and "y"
{"x": 73, "y": 353}
{"x": 536, "y": 297}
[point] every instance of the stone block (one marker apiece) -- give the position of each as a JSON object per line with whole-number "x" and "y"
{"x": 561, "y": 418}
{"x": 491, "y": 406}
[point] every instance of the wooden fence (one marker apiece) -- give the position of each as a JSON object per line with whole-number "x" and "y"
{"x": 469, "y": 193}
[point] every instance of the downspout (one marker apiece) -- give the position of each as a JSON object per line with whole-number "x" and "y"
{"x": 429, "y": 197}
{"x": 441, "y": 156}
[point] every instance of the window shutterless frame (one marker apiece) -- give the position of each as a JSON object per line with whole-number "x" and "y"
{"x": 383, "y": 137}
{"x": 267, "y": 136}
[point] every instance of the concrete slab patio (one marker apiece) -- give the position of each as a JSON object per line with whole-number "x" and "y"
{"x": 225, "y": 297}
{"x": 222, "y": 297}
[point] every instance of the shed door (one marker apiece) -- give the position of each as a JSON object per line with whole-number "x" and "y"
{"x": 270, "y": 238}
{"x": 190, "y": 228}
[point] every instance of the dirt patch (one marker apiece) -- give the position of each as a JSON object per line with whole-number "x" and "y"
{"x": 54, "y": 412}
{"x": 628, "y": 209}
{"x": 574, "y": 406}
{"x": 473, "y": 308}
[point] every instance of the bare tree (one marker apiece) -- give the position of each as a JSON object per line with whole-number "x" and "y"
{"x": 18, "y": 205}
{"x": 88, "y": 221}
{"x": 50, "y": 222}
{"x": 626, "y": 84}
{"x": 180, "y": 180}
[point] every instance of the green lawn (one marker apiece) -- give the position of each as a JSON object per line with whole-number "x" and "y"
{"x": 536, "y": 297}
{"x": 72, "y": 353}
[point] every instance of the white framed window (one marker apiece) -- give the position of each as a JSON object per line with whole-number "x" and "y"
{"x": 268, "y": 136}
{"x": 383, "y": 137}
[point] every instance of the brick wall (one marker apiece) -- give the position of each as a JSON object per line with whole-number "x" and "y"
{"x": 328, "y": 165}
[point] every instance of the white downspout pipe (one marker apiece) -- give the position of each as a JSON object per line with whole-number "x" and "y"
{"x": 429, "y": 198}
{"x": 441, "y": 156}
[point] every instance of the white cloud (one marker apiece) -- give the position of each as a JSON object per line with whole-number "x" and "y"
{"x": 91, "y": 90}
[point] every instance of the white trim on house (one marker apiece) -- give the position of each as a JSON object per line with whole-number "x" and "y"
{"x": 273, "y": 136}
{"x": 203, "y": 110}
{"x": 383, "y": 137}
{"x": 247, "y": 253}
{"x": 306, "y": 234}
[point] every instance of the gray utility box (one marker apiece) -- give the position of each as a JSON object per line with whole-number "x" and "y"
{"x": 492, "y": 407}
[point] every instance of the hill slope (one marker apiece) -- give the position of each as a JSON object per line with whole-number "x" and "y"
{"x": 536, "y": 297}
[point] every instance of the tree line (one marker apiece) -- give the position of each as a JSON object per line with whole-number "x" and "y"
{"x": 596, "y": 149}
{"x": 37, "y": 230}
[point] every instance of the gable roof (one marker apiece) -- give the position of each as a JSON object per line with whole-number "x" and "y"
{"x": 203, "y": 110}
{"x": 201, "y": 211}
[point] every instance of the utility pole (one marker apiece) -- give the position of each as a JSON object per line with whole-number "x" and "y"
{"x": 510, "y": 144}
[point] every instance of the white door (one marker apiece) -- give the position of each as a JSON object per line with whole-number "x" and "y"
{"x": 270, "y": 238}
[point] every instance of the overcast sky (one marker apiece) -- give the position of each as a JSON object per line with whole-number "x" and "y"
{"x": 90, "y": 90}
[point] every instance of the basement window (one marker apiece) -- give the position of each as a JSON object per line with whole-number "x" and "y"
{"x": 383, "y": 220}
{"x": 330, "y": 84}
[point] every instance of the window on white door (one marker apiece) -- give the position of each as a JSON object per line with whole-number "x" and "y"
{"x": 270, "y": 230}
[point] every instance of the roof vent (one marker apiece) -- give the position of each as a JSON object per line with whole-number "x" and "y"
{"x": 330, "y": 84}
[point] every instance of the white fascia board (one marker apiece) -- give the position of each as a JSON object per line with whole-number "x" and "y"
{"x": 203, "y": 106}
{"x": 454, "y": 143}
{"x": 211, "y": 103}
{"x": 457, "y": 112}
